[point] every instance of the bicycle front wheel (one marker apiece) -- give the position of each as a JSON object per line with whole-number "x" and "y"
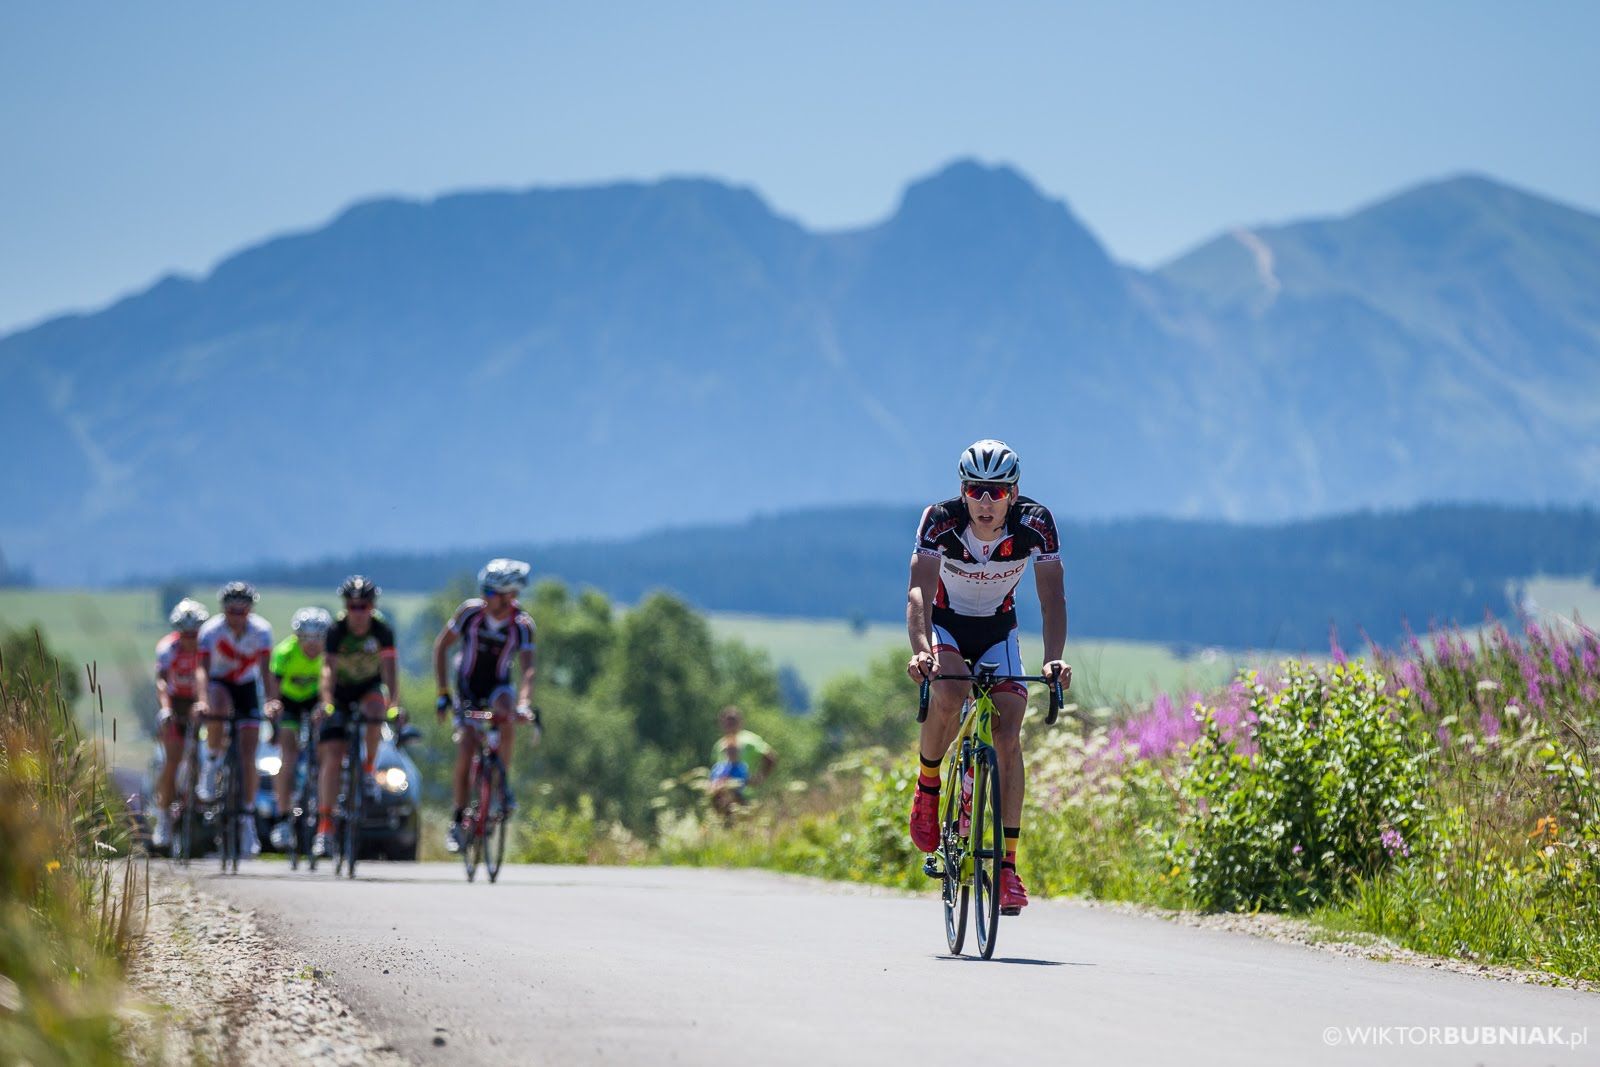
{"x": 494, "y": 828}
{"x": 988, "y": 849}
{"x": 955, "y": 891}
{"x": 355, "y": 802}
{"x": 230, "y": 821}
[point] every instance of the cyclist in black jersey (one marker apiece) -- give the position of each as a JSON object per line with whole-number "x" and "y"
{"x": 971, "y": 553}
{"x": 495, "y": 633}
{"x": 359, "y": 670}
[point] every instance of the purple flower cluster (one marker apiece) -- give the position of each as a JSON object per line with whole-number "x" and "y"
{"x": 1393, "y": 843}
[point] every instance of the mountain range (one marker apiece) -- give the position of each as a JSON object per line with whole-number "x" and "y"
{"x": 570, "y": 365}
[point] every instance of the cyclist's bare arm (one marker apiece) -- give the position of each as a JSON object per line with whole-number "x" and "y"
{"x": 528, "y": 660}
{"x": 389, "y": 674}
{"x": 269, "y": 680}
{"x": 328, "y": 663}
{"x": 1048, "y": 578}
{"x": 441, "y": 651}
{"x": 919, "y": 600}
{"x": 163, "y": 694}
{"x": 202, "y": 689}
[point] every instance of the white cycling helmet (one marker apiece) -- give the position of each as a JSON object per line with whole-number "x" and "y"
{"x": 503, "y": 576}
{"x": 187, "y": 615}
{"x": 990, "y": 461}
{"x": 311, "y": 622}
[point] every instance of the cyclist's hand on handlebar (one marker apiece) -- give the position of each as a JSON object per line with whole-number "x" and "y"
{"x": 921, "y": 666}
{"x": 531, "y": 716}
{"x": 1059, "y": 672}
{"x": 442, "y": 706}
{"x": 273, "y": 709}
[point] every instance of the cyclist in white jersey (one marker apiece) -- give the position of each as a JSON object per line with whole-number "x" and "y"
{"x": 971, "y": 553}
{"x": 237, "y": 645}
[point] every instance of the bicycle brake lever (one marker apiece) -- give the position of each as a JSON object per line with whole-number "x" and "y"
{"x": 922, "y": 703}
{"x": 1055, "y": 704}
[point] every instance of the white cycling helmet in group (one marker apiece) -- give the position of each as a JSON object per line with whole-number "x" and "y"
{"x": 503, "y": 576}
{"x": 311, "y": 622}
{"x": 187, "y": 615}
{"x": 990, "y": 461}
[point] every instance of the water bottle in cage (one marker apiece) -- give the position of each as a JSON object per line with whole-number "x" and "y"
{"x": 966, "y": 800}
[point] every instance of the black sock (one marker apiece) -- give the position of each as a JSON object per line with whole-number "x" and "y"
{"x": 457, "y": 817}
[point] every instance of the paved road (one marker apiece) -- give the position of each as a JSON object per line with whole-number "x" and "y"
{"x": 571, "y": 965}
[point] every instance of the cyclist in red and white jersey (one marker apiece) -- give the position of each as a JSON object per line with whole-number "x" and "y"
{"x": 496, "y": 633}
{"x": 971, "y": 553}
{"x": 180, "y": 687}
{"x": 238, "y": 644}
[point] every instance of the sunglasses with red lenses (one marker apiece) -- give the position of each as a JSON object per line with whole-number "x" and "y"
{"x": 995, "y": 491}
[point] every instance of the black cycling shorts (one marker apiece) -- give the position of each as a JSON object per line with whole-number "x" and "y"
{"x": 294, "y": 711}
{"x": 246, "y": 700}
{"x": 336, "y": 727}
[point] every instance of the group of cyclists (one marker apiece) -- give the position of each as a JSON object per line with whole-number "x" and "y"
{"x": 971, "y": 553}
{"x": 328, "y": 674}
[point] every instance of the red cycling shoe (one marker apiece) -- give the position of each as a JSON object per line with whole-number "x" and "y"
{"x": 925, "y": 821}
{"x": 1013, "y": 894}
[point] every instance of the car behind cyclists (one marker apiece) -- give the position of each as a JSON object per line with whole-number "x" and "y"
{"x": 297, "y": 664}
{"x": 180, "y": 687}
{"x": 237, "y": 644}
{"x": 495, "y": 633}
{"x": 971, "y": 553}
{"x": 358, "y": 670}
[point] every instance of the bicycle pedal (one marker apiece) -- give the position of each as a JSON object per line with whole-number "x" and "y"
{"x": 931, "y": 868}
{"x": 1010, "y": 911}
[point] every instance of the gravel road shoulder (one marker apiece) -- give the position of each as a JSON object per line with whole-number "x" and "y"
{"x": 217, "y": 989}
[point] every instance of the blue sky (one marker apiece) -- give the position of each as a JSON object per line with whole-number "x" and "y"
{"x": 146, "y": 138}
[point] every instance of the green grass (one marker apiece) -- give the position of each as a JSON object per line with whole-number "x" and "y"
{"x": 820, "y": 650}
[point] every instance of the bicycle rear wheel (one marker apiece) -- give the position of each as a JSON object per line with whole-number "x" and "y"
{"x": 494, "y": 823}
{"x": 186, "y": 839}
{"x": 955, "y": 891}
{"x": 988, "y": 849}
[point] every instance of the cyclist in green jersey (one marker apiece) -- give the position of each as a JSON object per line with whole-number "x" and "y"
{"x": 297, "y": 663}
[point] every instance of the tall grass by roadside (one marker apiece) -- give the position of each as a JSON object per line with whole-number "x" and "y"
{"x": 71, "y": 899}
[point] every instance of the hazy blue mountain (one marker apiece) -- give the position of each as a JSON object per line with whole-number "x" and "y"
{"x": 583, "y": 363}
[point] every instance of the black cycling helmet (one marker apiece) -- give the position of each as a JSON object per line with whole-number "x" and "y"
{"x": 359, "y": 587}
{"x": 235, "y": 592}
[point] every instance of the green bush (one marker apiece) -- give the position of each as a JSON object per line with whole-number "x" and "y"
{"x": 1332, "y": 792}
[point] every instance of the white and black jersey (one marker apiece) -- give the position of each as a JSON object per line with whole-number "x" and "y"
{"x": 979, "y": 578}
{"x": 489, "y": 646}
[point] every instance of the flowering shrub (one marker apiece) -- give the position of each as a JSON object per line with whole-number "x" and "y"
{"x": 1332, "y": 792}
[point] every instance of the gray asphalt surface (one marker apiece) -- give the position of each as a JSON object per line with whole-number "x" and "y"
{"x": 572, "y": 965}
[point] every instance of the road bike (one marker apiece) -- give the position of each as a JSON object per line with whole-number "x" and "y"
{"x": 303, "y": 804}
{"x": 482, "y": 830}
{"x": 351, "y": 808}
{"x": 186, "y": 840}
{"x": 220, "y": 815}
{"x": 971, "y": 839}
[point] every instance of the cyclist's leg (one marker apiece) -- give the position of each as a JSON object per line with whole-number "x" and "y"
{"x": 247, "y": 720}
{"x": 170, "y": 730}
{"x": 944, "y": 705}
{"x": 221, "y": 704}
{"x": 288, "y": 738}
{"x": 374, "y": 707}
{"x": 503, "y": 702}
{"x": 330, "y": 754}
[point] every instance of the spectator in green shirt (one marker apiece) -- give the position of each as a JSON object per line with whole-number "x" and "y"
{"x": 730, "y": 770}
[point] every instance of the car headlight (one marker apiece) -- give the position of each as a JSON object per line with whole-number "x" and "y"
{"x": 269, "y": 764}
{"x": 393, "y": 779}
